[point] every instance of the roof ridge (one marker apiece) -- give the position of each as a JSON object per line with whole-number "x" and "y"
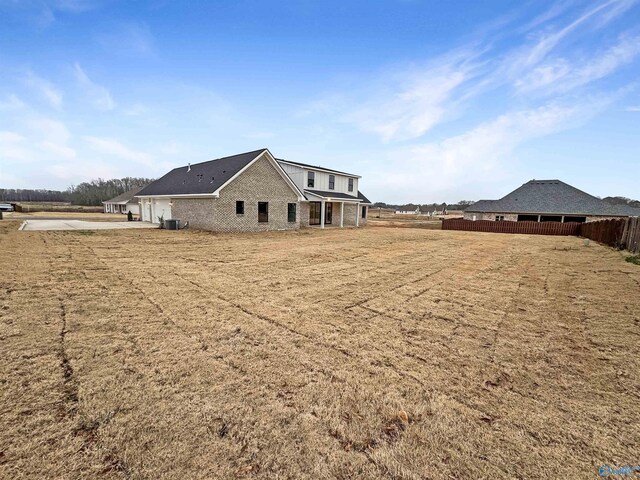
{"x": 223, "y": 158}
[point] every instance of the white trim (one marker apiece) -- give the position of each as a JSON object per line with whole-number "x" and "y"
{"x": 183, "y": 195}
{"x": 275, "y": 164}
{"x": 319, "y": 169}
{"x": 335, "y": 199}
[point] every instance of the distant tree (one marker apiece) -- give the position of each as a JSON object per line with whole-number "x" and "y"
{"x": 93, "y": 192}
{"x": 622, "y": 201}
{"x": 97, "y": 191}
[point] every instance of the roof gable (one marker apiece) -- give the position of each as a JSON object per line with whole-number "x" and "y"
{"x": 200, "y": 178}
{"x": 126, "y": 197}
{"x": 551, "y": 196}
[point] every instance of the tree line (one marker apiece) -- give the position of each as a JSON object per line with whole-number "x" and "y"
{"x": 89, "y": 193}
{"x": 424, "y": 207}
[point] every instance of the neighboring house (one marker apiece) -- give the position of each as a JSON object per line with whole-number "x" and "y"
{"x": 124, "y": 203}
{"x": 254, "y": 191}
{"x": 547, "y": 201}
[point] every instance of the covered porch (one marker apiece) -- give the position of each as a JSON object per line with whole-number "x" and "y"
{"x": 325, "y": 212}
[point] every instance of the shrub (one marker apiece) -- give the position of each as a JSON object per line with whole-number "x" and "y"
{"x": 633, "y": 259}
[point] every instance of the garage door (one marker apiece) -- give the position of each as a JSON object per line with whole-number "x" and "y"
{"x": 161, "y": 208}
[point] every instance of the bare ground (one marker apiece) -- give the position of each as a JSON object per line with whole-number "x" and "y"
{"x": 371, "y": 353}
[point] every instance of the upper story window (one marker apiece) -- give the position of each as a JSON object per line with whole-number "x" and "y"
{"x": 332, "y": 182}
{"x": 311, "y": 179}
{"x": 351, "y": 184}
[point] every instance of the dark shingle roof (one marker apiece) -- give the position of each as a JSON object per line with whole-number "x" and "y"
{"x": 126, "y": 196}
{"x": 551, "y": 196}
{"x": 332, "y": 194}
{"x": 317, "y": 167}
{"x": 201, "y": 178}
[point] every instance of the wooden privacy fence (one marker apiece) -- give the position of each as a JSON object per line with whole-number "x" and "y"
{"x": 529, "y": 228}
{"x": 621, "y": 233}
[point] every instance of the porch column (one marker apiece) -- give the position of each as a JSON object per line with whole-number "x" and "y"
{"x": 322, "y": 214}
{"x": 341, "y": 214}
{"x": 357, "y": 214}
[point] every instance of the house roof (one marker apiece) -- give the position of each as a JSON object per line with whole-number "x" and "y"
{"x": 200, "y": 178}
{"x": 317, "y": 167}
{"x": 554, "y": 197}
{"x": 332, "y": 194}
{"x": 126, "y": 197}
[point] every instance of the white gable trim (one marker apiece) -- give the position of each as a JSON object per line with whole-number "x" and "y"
{"x": 320, "y": 169}
{"x": 267, "y": 154}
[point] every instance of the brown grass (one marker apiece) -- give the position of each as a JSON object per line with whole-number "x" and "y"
{"x": 370, "y": 353}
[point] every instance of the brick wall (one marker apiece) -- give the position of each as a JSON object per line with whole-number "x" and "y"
{"x": 350, "y": 210}
{"x": 304, "y": 214}
{"x": 261, "y": 182}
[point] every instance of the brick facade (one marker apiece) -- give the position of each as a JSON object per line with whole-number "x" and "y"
{"x": 261, "y": 182}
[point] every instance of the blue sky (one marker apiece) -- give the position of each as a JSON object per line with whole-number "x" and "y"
{"x": 427, "y": 100}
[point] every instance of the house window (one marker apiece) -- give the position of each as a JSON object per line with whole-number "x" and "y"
{"x": 351, "y": 184}
{"x": 314, "y": 213}
{"x": 263, "y": 212}
{"x": 499, "y": 218}
{"x": 291, "y": 212}
{"x": 239, "y": 207}
{"x": 311, "y": 179}
{"x": 332, "y": 182}
{"x": 364, "y": 212}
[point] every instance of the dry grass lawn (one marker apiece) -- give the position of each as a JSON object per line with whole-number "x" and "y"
{"x": 371, "y": 353}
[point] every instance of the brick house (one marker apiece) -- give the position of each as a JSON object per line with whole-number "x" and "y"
{"x": 547, "y": 201}
{"x": 254, "y": 191}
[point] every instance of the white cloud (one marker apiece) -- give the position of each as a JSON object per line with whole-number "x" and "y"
{"x": 99, "y": 95}
{"x": 135, "y": 110}
{"x": 562, "y": 75}
{"x": 545, "y": 57}
{"x": 633, "y": 109}
{"x": 478, "y": 154}
{"x": 129, "y": 39}
{"x": 12, "y": 102}
{"x": 13, "y": 147}
{"x": 45, "y": 88}
{"x": 420, "y": 104}
{"x": 113, "y": 147}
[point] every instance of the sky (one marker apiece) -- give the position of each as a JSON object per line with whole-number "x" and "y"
{"x": 429, "y": 101}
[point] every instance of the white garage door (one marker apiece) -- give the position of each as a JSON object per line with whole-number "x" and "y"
{"x": 161, "y": 208}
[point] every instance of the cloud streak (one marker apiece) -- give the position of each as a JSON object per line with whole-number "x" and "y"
{"x": 99, "y": 96}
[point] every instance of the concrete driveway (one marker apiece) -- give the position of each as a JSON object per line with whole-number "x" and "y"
{"x": 60, "y": 224}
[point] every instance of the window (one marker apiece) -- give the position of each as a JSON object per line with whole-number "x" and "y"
{"x": 311, "y": 179}
{"x": 239, "y": 207}
{"x": 351, "y": 184}
{"x": 332, "y": 182}
{"x": 527, "y": 218}
{"x": 291, "y": 212}
{"x": 364, "y": 212}
{"x": 499, "y": 218}
{"x": 263, "y": 212}
{"x": 314, "y": 213}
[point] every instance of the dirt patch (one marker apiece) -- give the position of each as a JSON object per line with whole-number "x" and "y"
{"x": 370, "y": 353}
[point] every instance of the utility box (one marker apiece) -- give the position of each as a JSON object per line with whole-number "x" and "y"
{"x": 172, "y": 224}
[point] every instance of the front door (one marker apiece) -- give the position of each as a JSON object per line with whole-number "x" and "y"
{"x": 328, "y": 210}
